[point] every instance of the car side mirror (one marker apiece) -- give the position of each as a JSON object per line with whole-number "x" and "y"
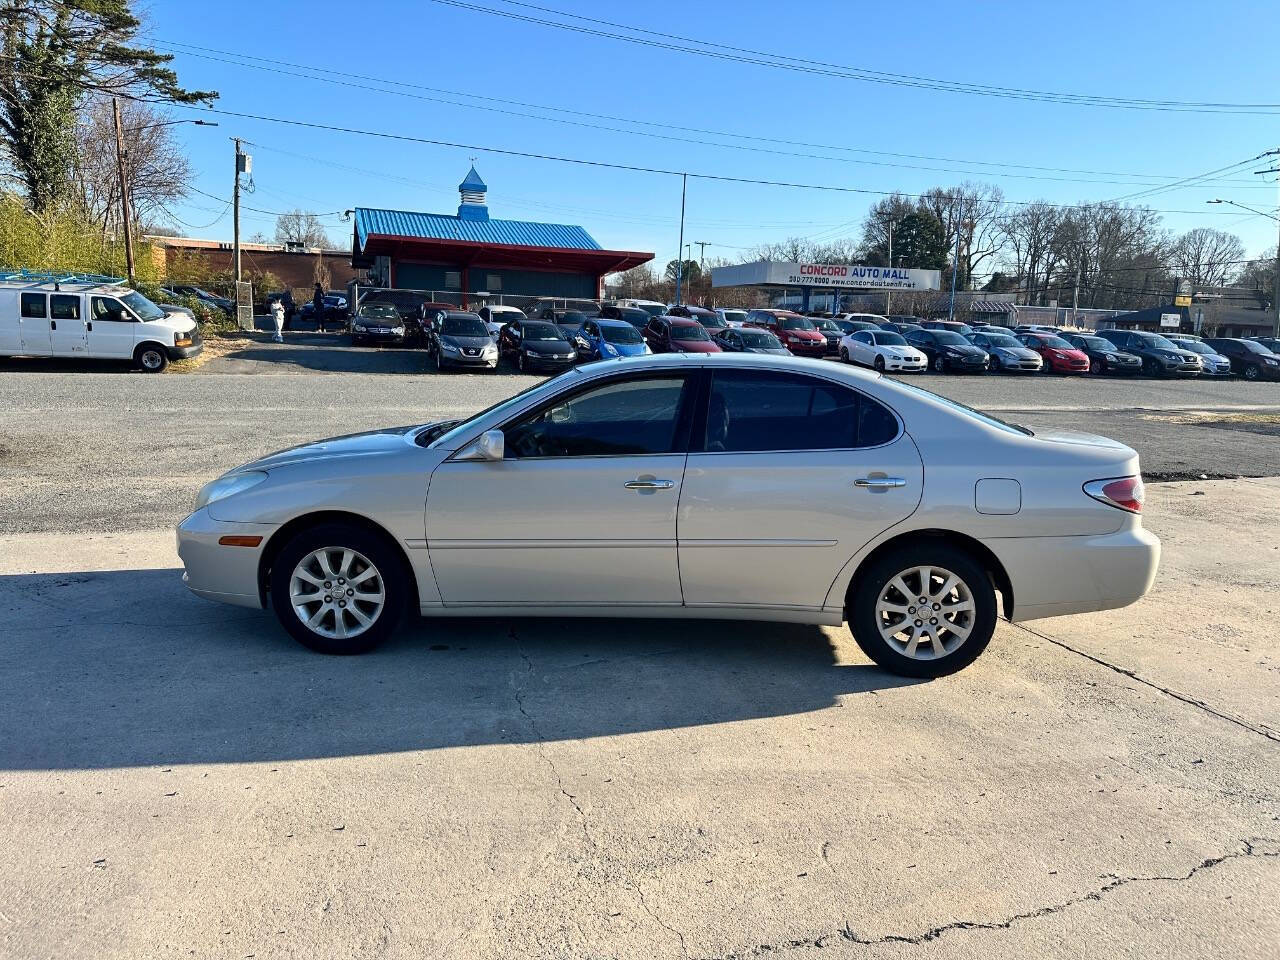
{"x": 491, "y": 445}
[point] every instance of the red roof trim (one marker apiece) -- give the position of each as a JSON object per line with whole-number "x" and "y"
{"x": 508, "y": 247}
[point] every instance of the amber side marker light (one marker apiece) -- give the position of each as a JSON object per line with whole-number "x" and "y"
{"x": 234, "y": 541}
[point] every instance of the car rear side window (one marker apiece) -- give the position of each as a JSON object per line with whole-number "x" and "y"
{"x": 621, "y": 418}
{"x": 63, "y": 306}
{"x": 757, "y": 412}
{"x": 33, "y": 306}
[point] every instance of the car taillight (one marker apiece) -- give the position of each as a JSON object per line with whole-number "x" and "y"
{"x": 1125, "y": 493}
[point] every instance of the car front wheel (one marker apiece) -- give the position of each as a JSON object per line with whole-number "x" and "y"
{"x": 923, "y": 610}
{"x": 1252, "y": 372}
{"x": 151, "y": 359}
{"x": 879, "y": 364}
{"x": 939, "y": 365}
{"x": 844, "y": 355}
{"x": 338, "y": 589}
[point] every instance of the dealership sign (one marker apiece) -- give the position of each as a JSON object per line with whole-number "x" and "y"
{"x": 826, "y": 275}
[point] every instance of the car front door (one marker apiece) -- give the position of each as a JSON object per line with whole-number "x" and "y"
{"x": 581, "y": 509}
{"x": 113, "y": 331}
{"x": 32, "y": 335}
{"x": 788, "y": 478}
{"x": 860, "y": 348}
{"x": 67, "y": 326}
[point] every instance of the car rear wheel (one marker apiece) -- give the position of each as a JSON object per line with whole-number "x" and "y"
{"x": 150, "y": 358}
{"x": 923, "y": 610}
{"x": 338, "y": 589}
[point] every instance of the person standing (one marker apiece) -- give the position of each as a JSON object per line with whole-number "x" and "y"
{"x": 277, "y": 316}
{"x": 317, "y": 303}
{"x": 290, "y": 308}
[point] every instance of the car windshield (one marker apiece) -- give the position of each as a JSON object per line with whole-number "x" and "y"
{"x": 1096, "y": 343}
{"x": 711, "y": 321}
{"x": 889, "y": 339}
{"x": 691, "y": 330}
{"x": 1001, "y": 340}
{"x": 829, "y": 325}
{"x": 634, "y": 316}
{"x": 143, "y": 307}
{"x": 1154, "y": 341}
{"x": 1056, "y": 342}
{"x": 381, "y": 311}
{"x": 1195, "y": 346}
{"x": 621, "y": 334}
{"x": 1254, "y": 347}
{"x": 542, "y": 331}
{"x": 950, "y": 339}
{"x": 758, "y": 338}
{"x": 653, "y": 309}
{"x": 794, "y": 323}
{"x": 571, "y": 318}
{"x": 736, "y": 316}
{"x": 463, "y": 325}
{"x": 966, "y": 410}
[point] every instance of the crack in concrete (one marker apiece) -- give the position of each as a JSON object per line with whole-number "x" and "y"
{"x": 846, "y": 933}
{"x": 518, "y": 697}
{"x": 1260, "y": 729}
{"x": 653, "y": 915}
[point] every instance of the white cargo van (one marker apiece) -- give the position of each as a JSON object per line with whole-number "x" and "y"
{"x": 92, "y": 318}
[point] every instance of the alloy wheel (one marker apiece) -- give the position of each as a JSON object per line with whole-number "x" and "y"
{"x": 925, "y": 613}
{"x": 337, "y": 592}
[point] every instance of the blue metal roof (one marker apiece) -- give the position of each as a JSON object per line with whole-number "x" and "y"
{"x": 473, "y": 182}
{"x": 439, "y": 226}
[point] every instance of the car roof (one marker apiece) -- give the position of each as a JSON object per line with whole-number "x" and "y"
{"x": 610, "y": 322}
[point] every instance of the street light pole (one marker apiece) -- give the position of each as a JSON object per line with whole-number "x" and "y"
{"x": 955, "y": 268}
{"x": 124, "y": 190}
{"x": 888, "y": 297}
{"x": 684, "y": 182}
{"x": 1275, "y": 280}
{"x": 235, "y": 215}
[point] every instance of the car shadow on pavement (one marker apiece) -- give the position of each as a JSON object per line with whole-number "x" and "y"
{"x": 123, "y": 668}
{"x": 315, "y": 354}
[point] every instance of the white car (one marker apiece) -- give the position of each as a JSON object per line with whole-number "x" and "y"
{"x": 688, "y": 486}
{"x": 497, "y": 316}
{"x": 732, "y": 316}
{"x": 882, "y": 350}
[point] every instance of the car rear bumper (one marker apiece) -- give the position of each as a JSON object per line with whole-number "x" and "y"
{"x": 228, "y": 574}
{"x": 1053, "y": 576}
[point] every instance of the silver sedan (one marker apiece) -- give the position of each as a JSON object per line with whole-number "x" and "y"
{"x": 687, "y": 485}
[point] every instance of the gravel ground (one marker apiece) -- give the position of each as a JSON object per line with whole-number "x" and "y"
{"x": 110, "y": 449}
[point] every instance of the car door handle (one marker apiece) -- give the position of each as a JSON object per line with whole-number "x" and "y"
{"x": 649, "y": 484}
{"x": 53, "y": 324}
{"x": 879, "y": 483}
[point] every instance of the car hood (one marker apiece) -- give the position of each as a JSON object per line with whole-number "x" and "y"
{"x": 477, "y": 343}
{"x": 629, "y": 349}
{"x": 370, "y": 443}
{"x": 776, "y": 351}
{"x": 968, "y": 351}
{"x": 802, "y": 334}
{"x": 1019, "y": 353}
{"x": 696, "y": 346}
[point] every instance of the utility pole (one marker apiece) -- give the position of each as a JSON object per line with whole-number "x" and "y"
{"x": 888, "y": 297}
{"x": 124, "y": 190}
{"x": 702, "y": 253}
{"x": 1075, "y": 297}
{"x": 235, "y": 214}
{"x": 684, "y": 182}
{"x": 1275, "y": 280}
{"x": 955, "y": 268}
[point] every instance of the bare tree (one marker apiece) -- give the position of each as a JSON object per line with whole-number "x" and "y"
{"x": 301, "y": 226}
{"x": 156, "y": 169}
{"x": 974, "y": 212}
{"x": 1029, "y": 233}
{"x": 1207, "y": 257}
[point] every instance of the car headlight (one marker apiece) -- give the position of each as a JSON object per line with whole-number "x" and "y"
{"x": 608, "y": 350}
{"x": 1269, "y": 362}
{"x": 227, "y": 486}
{"x": 1109, "y": 356}
{"x": 398, "y": 331}
{"x": 490, "y": 349}
{"x": 448, "y": 347}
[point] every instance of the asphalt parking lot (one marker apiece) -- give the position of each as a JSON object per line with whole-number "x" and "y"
{"x": 179, "y": 778}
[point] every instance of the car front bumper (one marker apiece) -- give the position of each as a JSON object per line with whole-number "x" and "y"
{"x": 194, "y": 349}
{"x": 1068, "y": 366}
{"x": 548, "y": 363}
{"x": 379, "y": 336}
{"x": 1053, "y": 576}
{"x": 215, "y": 571}
{"x": 456, "y": 360}
{"x": 910, "y": 365}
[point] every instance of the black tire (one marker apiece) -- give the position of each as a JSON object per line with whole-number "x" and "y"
{"x": 1150, "y": 367}
{"x": 151, "y": 358}
{"x": 520, "y": 360}
{"x": 939, "y": 364}
{"x": 1253, "y": 372}
{"x": 844, "y": 355}
{"x": 872, "y": 582}
{"x": 390, "y": 571}
{"x": 1098, "y": 366}
{"x": 995, "y": 364}
{"x": 879, "y": 364}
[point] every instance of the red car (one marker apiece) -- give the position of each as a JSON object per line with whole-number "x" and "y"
{"x": 678, "y": 335}
{"x": 797, "y": 333}
{"x": 1058, "y": 355}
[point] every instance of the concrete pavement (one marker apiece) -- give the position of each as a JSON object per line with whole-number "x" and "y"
{"x": 179, "y": 778}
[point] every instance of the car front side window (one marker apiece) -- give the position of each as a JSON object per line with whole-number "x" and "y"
{"x": 634, "y": 417}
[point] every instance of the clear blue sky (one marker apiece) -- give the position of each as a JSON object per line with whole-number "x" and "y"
{"x": 1174, "y": 50}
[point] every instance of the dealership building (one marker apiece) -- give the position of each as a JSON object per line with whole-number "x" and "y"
{"x": 470, "y": 258}
{"x": 826, "y": 280}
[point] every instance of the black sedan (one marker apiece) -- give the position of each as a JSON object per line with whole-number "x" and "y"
{"x": 749, "y": 340}
{"x": 1104, "y": 356}
{"x": 536, "y": 345}
{"x": 832, "y": 331}
{"x": 947, "y": 350}
{"x": 377, "y": 323}
{"x": 1249, "y": 358}
{"x": 1160, "y": 357}
{"x": 899, "y": 326}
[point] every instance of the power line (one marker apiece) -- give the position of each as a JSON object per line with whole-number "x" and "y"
{"x": 273, "y": 213}
{"x": 323, "y": 75}
{"x": 633, "y": 168}
{"x": 771, "y": 59}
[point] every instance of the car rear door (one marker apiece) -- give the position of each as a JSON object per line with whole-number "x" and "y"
{"x": 31, "y": 327}
{"x": 581, "y": 510}
{"x": 788, "y": 476}
{"x": 67, "y": 326}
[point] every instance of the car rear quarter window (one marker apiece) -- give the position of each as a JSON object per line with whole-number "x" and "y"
{"x": 763, "y": 411}
{"x": 33, "y": 306}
